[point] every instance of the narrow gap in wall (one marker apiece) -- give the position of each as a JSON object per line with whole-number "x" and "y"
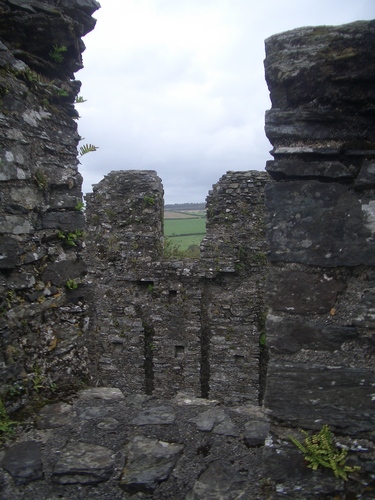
{"x": 184, "y": 229}
{"x": 205, "y": 344}
{"x": 149, "y": 358}
{"x": 148, "y": 351}
{"x": 263, "y": 354}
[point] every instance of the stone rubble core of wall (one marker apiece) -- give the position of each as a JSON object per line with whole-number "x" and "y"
{"x": 42, "y": 323}
{"x": 167, "y": 325}
{"x": 320, "y": 225}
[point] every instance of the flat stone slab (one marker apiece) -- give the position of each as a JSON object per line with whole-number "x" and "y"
{"x": 104, "y": 393}
{"x": 309, "y": 395}
{"x": 148, "y": 462}
{"x": 23, "y": 461}
{"x": 256, "y": 432}
{"x": 219, "y": 483}
{"x": 83, "y": 463}
{"x": 215, "y": 420}
{"x": 311, "y": 222}
{"x": 161, "y": 415}
{"x": 92, "y": 412}
{"x": 54, "y": 416}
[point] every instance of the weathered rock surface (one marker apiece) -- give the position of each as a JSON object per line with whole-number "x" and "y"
{"x": 42, "y": 331}
{"x": 147, "y": 463}
{"x": 320, "y": 227}
{"x": 109, "y": 456}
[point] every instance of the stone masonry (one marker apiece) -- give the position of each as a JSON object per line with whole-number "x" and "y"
{"x": 189, "y": 409}
{"x": 320, "y": 218}
{"x": 164, "y": 326}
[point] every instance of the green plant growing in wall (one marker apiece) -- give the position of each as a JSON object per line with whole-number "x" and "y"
{"x": 320, "y": 450}
{"x": 6, "y": 424}
{"x": 79, "y": 206}
{"x": 87, "y": 148}
{"x": 41, "y": 179}
{"x": 58, "y": 53}
{"x": 149, "y": 201}
{"x": 79, "y": 99}
{"x": 70, "y": 238}
{"x": 71, "y": 284}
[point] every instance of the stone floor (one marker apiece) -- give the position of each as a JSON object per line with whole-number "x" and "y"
{"x": 108, "y": 446}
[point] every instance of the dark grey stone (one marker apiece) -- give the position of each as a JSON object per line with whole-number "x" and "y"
{"x": 256, "y": 432}
{"x": 59, "y": 273}
{"x": 364, "y": 311}
{"x": 215, "y": 420}
{"x": 65, "y": 221}
{"x": 148, "y": 462}
{"x": 308, "y": 395}
{"x": 299, "y": 168}
{"x": 9, "y": 252}
{"x": 54, "y": 416}
{"x": 91, "y": 412}
{"x": 291, "y": 335}
{"x": 219, "y": 482}
{"x": 302, "y": 291}
{"x": 366, "y": 176}
{"x": 313, "y": 222}
{"x": 109, "y": 424}
{"x": 103, "y": 393}
{"x": 160, "y": 415}
{"x": 23, "y": 461}
{"x": 83, "y": 463}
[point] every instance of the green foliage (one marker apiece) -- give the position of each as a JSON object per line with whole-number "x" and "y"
{"x": 150, "y": 288}
{"x": 79, "y": 99}
{"x": 70, "y": 238}
{"x": 79, "y": 206}
{"x": 87, "y": 148}
{"x": 58, "y": 52}
{"x": 41, "y": 179}
{"x": 149, "y": 201}
{"x": 6, "y": 425}
{"x": 71, "y": 284}
{"x": 173, "y": 250}
{"x": 320, "y": 450}
{"x": 62, "y": 93}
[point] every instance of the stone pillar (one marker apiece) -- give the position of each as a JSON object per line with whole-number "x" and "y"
{"x": 320, "y": 219}
{"x": 233, "y": 308}
{"x": 42, "y": 304}
{"x": 125, "y": 234}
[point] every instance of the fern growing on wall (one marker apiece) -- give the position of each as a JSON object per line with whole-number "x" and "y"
{"x": 320, "y": 450}
{"x": 87, "y": 148}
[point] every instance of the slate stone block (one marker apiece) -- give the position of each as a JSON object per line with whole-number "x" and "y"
{"x": 366, "y": 176}
{"x": 302, "y": 292}
{"x": 23, "y": 461}
{"x": 299, "y": 168}
{"x": 65, "y": 221}
{"x": 148, "y": 462}
{"x": 59, "y": 273}
{"x": 219, "y": 483}
{"x": 310, "y": 395}
{"x": 83, "y": 463}
{"x": 317, "y": 223}
{"x": 9, "y": 252}
{"x": 291, "y": 335}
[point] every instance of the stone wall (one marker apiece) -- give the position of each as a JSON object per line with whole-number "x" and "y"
{"x": 320, "y": 219}
{"x": 163, "y": 326}
{"x": 42, "y": 323}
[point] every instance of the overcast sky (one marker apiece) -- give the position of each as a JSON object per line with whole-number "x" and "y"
{"x": 177, "y": 86}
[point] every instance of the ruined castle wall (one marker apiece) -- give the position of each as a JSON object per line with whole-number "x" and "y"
{"x": 164, "y": 326}
{"x": 42, "y": 321}
{"x": 320, "y": 223}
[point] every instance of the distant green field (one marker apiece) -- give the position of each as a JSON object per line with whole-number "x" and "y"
{"x": 185, "y": 232}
